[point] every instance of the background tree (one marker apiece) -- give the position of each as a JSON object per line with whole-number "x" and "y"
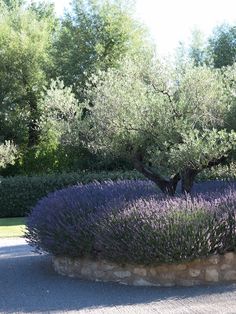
{"x": 222, "y": 45}
{"x": 171, "y": 125}
{"x": 25, "y": 61}
{"x": 95, "y": 36}
{"x": 197, "y": 48}
{"x": 7, "y": 154}
{"x": 59, "y": 113}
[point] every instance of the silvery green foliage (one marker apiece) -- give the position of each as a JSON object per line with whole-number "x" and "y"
{"x": 177, "y": 120}
{"x": 59, "y": 111}
{"x": 229, "y": 74}
{"x": 7, "y": 154}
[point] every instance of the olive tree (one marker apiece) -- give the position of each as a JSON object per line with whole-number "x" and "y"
{"x": 170, "y": 125}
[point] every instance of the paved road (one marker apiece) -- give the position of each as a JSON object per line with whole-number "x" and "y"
{"x": 28, "y": 284}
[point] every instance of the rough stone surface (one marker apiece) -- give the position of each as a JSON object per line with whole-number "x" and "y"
{"x": 230, "y": 275}
{"x": 194, "y": 272}
{"x": 212, "y": 275}
{"x": 140, "y": 271}
{"x": 181, "y": 267}
{"x": 225, "y": 266}
{"x": 229, "y": 257}
{"x": 122, "y": 274}
{"x": 217, "y": 268}
{"x": 142, "y": 282}
{"x": 215, "y": 259}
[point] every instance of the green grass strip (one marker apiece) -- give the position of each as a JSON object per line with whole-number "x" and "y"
{"x": 12, "y": 227}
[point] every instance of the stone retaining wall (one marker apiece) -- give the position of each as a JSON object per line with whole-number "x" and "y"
{"x": 217, "y": 268}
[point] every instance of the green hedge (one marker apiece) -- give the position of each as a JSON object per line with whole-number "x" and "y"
{"x": 19, "y": 194}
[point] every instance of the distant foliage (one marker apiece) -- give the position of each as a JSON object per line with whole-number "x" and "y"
{"x": 96, "y": 35}
{"x": 129, "y": 222}
{"x": 60, "y": 111}
{"x": 7, "y": 154}
{"x": 25, "y": 63}
{"x": 222, "y": 45}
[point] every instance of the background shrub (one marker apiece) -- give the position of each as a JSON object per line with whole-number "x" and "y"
{"x": 129, "y": 222}
{"x": 20, "y": 193}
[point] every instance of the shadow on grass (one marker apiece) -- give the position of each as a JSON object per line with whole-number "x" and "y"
{"x": 28, "y": 284}
{"x": 7, "y": 222}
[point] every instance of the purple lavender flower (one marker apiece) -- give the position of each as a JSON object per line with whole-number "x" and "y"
{"x": 129, "y": 221}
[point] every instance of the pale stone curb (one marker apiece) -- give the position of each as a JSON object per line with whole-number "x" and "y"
{"x": 217, "y": 268}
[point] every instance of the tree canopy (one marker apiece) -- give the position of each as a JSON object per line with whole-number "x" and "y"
{"x": 91, "y": 78}
{"x": 222, "y": 45}
{"x": 95, "y": 36}
{"x": 171, "y": 125}
{"x": 25, "y": 61}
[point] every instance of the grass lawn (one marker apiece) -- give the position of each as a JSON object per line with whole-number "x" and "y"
{"x": 12, "y": 227}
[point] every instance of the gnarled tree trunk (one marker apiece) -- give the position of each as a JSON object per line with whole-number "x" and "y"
{"x": 187, "y": 180}
{"x": 33, "y": 132}
{"x": 167, "y": 186}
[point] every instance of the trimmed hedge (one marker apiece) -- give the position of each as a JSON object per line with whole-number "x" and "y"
{"x": 19, "y": 194}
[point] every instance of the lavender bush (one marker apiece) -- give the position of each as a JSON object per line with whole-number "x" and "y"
{"x": 128, "y": 221}
{"x": 152, "y": 232}
{"x": 63, "y": 223}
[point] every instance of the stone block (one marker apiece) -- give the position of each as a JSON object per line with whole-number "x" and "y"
{"x": 86, "y": 271}
{"x": 152, "y": 271}
{"x": 230, "y": 257}
{"x": 211, "y": 275}
{"x": 168, "y": 276}
{"x": 194, "y": 272}
{"x": 99, "y": 274}
{"x": 186, "y": 282}
{"x": 122, "y": 273}
{"x": 230, "y": 275}
{"x": 108, "y": 267}
{"x": 225, "y": 266}
{"x": 181, "y": 267}
{"x": 142, "y": 282}
{"x": 215, "y": 259}
{"x": 140, "y": 271}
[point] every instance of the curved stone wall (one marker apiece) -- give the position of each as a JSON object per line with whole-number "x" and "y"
{"x": 217, "y": 268}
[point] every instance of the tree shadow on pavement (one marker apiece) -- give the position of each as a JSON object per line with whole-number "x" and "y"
{"x": 28, "y": 283}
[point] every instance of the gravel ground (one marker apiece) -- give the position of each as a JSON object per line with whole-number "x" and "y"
{"x": 28, "y": 284}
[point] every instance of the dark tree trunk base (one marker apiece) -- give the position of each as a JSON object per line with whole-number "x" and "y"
{"x": 168, "y": 187}
{"x": 187, "y": 180}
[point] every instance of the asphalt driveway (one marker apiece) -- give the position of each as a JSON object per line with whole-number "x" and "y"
{"x": 28, "y": 284}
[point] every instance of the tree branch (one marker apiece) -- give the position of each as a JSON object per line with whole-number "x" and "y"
{"x": 165, "y": 185}
{"x": 215, "y": 162}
